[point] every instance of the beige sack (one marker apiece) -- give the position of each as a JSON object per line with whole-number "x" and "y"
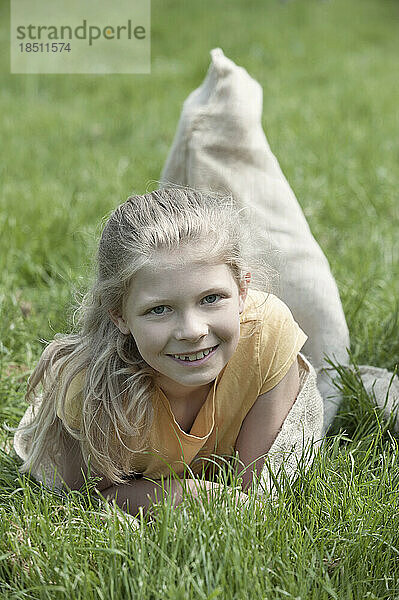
{"x": 220, "y": 146}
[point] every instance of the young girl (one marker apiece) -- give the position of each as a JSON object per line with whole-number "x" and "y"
{"x": 178, "y": 356}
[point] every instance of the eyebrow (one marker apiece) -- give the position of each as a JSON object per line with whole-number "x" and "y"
{"x": 154, "y": 301}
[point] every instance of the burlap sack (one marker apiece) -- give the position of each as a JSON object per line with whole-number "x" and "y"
{"x": 220, "y": 146}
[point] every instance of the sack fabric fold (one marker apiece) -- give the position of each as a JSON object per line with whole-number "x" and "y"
{"x": 300, "y": 436}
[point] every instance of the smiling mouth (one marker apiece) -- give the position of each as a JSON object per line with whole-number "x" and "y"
{"x": 194, "y": 356}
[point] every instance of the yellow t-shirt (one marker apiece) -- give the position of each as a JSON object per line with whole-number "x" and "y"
{"x": 270, "y": 340}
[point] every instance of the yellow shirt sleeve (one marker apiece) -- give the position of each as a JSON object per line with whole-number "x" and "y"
{"x": 280, "y": 341}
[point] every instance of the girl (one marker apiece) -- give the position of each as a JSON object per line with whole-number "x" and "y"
{"x": 180, "y": 354}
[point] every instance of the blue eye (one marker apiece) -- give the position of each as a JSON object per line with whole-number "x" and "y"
{"x": 211, "y": 299}
{"x": 155, "y": 311}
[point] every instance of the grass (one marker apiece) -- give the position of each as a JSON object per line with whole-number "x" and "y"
{"x": 76, "y": 146}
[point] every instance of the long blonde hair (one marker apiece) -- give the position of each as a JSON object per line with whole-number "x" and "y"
{"x": 118, "y": 383}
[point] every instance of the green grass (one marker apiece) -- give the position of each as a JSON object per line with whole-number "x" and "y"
{"x": 73, "y": 147}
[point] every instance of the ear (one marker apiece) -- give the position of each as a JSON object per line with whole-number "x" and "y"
{"x": 243, "y": 290}
{"x": 119, "y": 321}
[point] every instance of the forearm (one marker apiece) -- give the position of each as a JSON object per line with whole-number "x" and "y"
{"x": 143, "y": 493}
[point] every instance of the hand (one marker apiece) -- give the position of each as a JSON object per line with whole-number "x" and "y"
{"x": 241, "y": 499}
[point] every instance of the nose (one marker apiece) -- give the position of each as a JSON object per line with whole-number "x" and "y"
{"x": 191, "y": 327}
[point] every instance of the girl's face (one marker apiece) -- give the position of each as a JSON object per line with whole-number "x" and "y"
{"x": 185, "y": 319}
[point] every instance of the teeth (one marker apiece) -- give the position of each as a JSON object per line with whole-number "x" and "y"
{"x": 192, "y": 357}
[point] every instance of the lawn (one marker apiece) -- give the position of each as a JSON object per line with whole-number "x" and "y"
{"x": 75, "y": 146}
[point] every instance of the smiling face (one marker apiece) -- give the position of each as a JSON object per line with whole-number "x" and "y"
{"x": 176, "y": 309}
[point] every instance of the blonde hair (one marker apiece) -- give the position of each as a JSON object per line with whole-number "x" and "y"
{"x": 118, "y": 383}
